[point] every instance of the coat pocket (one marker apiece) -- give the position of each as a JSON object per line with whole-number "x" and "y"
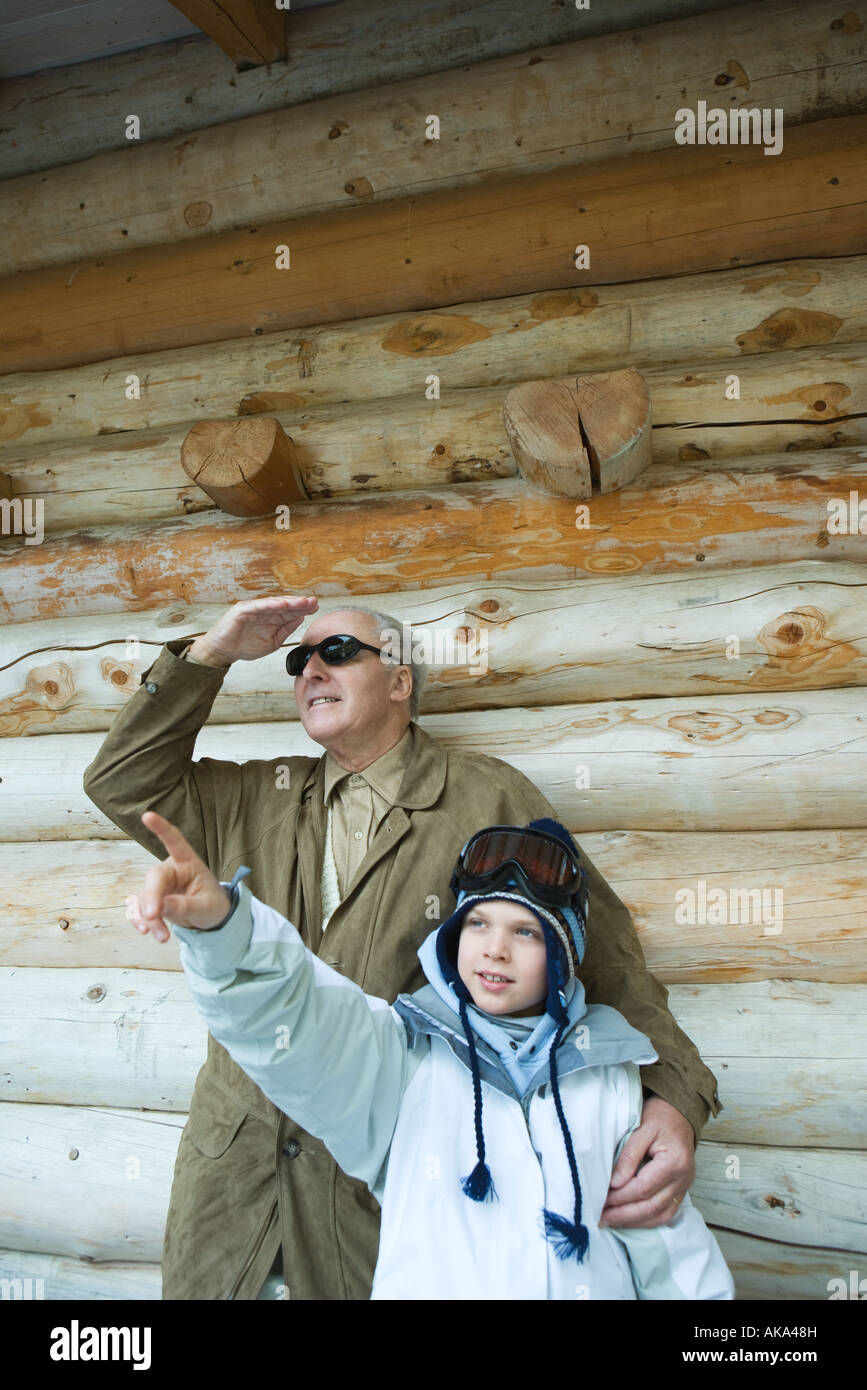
{"x": 215, "y": 1118}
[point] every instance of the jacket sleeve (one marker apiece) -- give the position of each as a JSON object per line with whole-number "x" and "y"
{"x": 146, "y": 760}
{"x": 330, "y": 1056}
{"x": 614, "y": 972}
{"x": 680, "y": 1260}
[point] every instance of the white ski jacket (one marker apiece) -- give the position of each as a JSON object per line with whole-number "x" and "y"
{"x": 388, "y": 1090}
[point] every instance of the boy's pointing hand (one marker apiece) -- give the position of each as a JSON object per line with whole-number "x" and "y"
{"x": 181, "y": 888}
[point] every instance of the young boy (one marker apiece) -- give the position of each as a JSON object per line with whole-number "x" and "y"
{"x": 486, "y": 1111}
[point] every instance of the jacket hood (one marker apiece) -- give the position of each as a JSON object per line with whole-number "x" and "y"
{"x": 604, "y": 1038}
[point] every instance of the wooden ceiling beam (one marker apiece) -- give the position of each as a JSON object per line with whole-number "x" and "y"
{"x": 251, "y": 32}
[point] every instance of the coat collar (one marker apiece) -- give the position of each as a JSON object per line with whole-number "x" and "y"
{"x": 423, "y": 779}
{"x": 609, "y": 1040}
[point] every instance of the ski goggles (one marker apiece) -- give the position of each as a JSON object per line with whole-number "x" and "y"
{"x": 548, "y": 870}
{"x": 333, "y": 650}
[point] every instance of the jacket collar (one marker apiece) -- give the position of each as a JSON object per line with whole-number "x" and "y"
{"x": 608, "y": 1039}
{"x": 423, "y": 779}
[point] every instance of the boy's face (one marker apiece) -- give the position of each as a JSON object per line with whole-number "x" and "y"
{"x": 502, "y": 958}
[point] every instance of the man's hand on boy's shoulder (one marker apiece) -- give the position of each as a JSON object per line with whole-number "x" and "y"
{"x": 655, "y": 1169}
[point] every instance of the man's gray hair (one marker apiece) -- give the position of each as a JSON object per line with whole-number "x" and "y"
{"x": 393, "y": 630}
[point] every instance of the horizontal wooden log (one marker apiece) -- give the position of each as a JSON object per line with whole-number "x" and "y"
{"x": 134, "y": 1038}
{"x": 722, "y": 315}
{"x": 103, "y": 1179}
{"x": 722, "y": 445}
{"x": 64, "y": 906}
{"x": 77, "y": 1224}
{"x": 789, "y": 1060}
{"x": 817, "y": 880}
{"x": 763, "y": 1269}
{"x": 509, "y": 114}
{"x": 369, "y": 260}
{"x": 130, "y": 1037}
{"x": 410, "y": 442}
{"x": 722, "y": 762}
{"x": 248, "y": 31}
{"x": 769, "y": 510}
{"x": 772, "y": 1271}
{"x": 70, "y": 113}
{"x": 797, "y": 627}
{"x": 813, "y": 1197}
{"x": 58, "y": 1277}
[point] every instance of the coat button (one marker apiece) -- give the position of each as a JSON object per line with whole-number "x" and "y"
{"x": 291, "y": 1148}
{"x": 151, "y": 688}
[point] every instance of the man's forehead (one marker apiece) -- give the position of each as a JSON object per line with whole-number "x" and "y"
{"x": 343, "y": 620}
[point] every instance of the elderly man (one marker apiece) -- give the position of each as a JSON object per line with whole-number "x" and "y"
{"x": 357, "y": 849}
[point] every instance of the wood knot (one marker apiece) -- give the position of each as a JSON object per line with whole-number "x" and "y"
{"x": 197, "y": 214}
{"x": 489, "y": 605}
{"x": 63, "y": 923}
{"x": 73, "y": 1154}
{"x": 95, "y": 993}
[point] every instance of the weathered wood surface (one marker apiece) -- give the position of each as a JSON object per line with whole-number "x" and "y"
{"x": 574, "y": 436}
{"x": 797, "y": 1196}
{"x": 772, "y": 1271}
{"x": 129, "y": 1037}
{"x": 248, "y": 467}
{"x": 789, "y": 1058}
{"x": 86, "y": 1183}
{"x": 812, "y": 887}
{"x": 34, "y": 36}
{"x": 465, "y": 436}
{"x": 768, "y": 510}
{"x": 723, "y": 444}
{"x": 59, "y": 1277}
{"x": 70, "y": 113}
{"x": 64, "y": 903}
{"x": 688, "y": 319}
{"x": 141, "y": 1042}
{"x": 722, "y": 762}
{"x": 510, "y": 114}
{"x": 370, "y": 260}
{"x": 249, "y": 31}
{"x": 782, "y": 627}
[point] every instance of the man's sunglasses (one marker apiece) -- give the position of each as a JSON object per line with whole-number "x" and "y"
{"x": 333, "y": 650}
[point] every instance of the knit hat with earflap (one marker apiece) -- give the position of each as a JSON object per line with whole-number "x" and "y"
{"x": 564, "y": 931}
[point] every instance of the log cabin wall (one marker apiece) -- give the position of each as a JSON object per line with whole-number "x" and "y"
{"x": 680, "y": 667}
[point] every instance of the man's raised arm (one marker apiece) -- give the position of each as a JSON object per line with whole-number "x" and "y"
{"x": 146, "y": 761}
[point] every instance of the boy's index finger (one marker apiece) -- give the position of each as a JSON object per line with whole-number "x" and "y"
{"x": 178, "y": 847}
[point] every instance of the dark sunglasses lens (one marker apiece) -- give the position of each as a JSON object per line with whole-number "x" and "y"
{"x": 337, "y": 649}
{"x": 333, "y": 650}
{"x": 298, "y": 659}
